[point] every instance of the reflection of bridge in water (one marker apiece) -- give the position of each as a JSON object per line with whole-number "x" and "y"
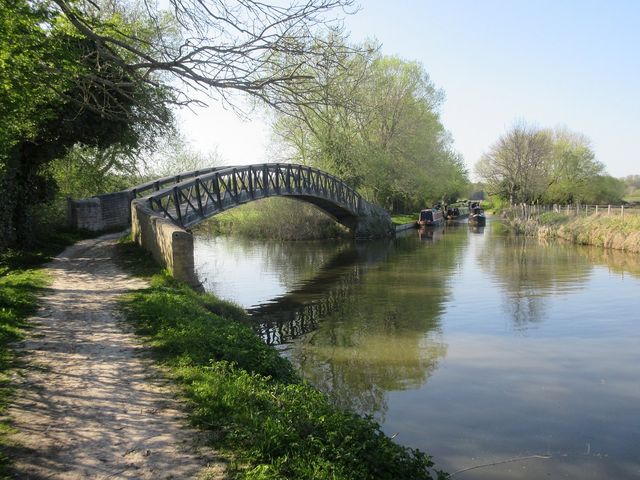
{"x": 299, "y": 312}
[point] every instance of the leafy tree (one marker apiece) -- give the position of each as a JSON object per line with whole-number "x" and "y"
{"x": 57, "y": 95}
{"x": 516, "y": 167}
{"x": 573, "y": 169}
{"x": 379, "y": 129}
{"x": 528, "y": 164}
{"x": 605, "y": 189}
{"x": 104, "y": 74}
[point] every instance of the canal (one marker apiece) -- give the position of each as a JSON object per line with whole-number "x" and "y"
{"x": 474, "y": 346}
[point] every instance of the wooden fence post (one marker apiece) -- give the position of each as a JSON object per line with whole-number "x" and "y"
{"x": 609, "y": 210}
{"x": 596, "y": 210}
{"x": 622, "y": 211}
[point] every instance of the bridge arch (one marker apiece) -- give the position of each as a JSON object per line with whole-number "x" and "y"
{"x": 160, "y": 220}
{"x": 192, "y": 201}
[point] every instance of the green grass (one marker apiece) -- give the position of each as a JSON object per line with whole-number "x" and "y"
{"x": 553, "y": 218}
{"x": 633, "y": 198}
{"x": 401, "y": 219}
{"x": 270, "y": 423}
{"x": 21, "y": 282}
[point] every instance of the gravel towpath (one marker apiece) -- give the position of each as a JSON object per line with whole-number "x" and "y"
{"x": 90, "y": 404}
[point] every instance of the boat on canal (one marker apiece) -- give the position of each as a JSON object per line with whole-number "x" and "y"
{"x": 457, "y": 212}
{"x": 430, "y": 217}
{"x": 477, "y": 216}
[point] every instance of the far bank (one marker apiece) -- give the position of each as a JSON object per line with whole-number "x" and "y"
{"x": 615, "y": 232}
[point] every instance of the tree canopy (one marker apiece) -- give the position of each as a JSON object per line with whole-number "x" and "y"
{"x": 530, "y": 164}
{"x": 105, "y": 74}
{"x": 378, "y": 128}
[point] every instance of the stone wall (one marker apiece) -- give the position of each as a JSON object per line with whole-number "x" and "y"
{"x": 170, "y": 245}
{"x": 109, "y": 211}
{"x": 373, "y": 222}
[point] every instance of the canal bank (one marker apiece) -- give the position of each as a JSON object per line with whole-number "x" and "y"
{"x": 615, "y": 232}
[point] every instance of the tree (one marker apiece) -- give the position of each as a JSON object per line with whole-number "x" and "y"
{"x": 573, "y": 168}
{"x": 516, "y": 167}
{"x": 104, "y": 74}
{"x": 554, "y": 166}
{"x": 51, "y": 76}
{"x": 215, "y": 47}
{"x": 378, "y": 128}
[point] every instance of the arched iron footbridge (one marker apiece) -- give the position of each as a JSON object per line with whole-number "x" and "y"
{"x": 189, "y": 202}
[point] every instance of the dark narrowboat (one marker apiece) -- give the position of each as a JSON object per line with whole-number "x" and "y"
{"x": 457, "y": 212}
{"x": 477, "y": 216}
{"x": 430, "y": 217}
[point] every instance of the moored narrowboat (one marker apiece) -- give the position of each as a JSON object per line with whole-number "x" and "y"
{"x": 457, "y": 212}
{"x": 430, "y": 217}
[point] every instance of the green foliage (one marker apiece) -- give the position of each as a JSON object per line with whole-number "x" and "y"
{"x": 277, "y": 218}
{"x": 528, "y": 164}
{"x": 379, "y": 129}
{"x": 58, "y": 92}
{"x": 632, "y": 196}
{"x": 274, "y": 424}
{"x": 632, "y": 188}
{"x": 552, "y": 218}
{"x": 402, "y": 218}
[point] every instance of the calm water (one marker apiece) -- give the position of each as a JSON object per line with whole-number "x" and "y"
{"x": 470, "y": 345}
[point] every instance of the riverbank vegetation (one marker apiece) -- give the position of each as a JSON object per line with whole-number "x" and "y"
{"x": 403, "y": 218}
{"x": 379, "y": 129}
{"x": 615, "y": 232}
{"x": 271, "y": 424}
{"x": 275, "y": 218}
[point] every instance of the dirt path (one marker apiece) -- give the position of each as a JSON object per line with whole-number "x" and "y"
{"x": 89, "y": 403}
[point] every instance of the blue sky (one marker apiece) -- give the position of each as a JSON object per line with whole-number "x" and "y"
{"x": 550, "y": 63}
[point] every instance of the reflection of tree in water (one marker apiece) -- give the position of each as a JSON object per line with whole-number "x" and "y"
{"x": 372, "y": 319}
{"x": 528, "y": 272}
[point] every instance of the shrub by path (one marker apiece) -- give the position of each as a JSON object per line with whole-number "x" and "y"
{"x": 89, "y": 404}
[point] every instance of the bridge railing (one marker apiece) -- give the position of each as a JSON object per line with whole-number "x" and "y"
{"x": 188, "y": 202}
{"x": 146, "y": 189}
{"x": 113, "y": 210}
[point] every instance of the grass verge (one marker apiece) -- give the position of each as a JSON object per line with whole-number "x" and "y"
{"x": 270, "y": 422}
{"x": 401, "y": 219}
{"x": 21, "y": 282}
{"x": 605, "y": 231}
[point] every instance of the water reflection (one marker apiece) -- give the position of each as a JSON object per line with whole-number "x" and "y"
{"x": 476, "y": 347}
{"x": 528, "y": 273}
{"x": 300, "y": 311}
{"x": 385, "y": 335}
